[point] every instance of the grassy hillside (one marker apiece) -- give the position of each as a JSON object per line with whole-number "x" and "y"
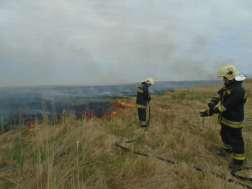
{"x": 82, "y": 154}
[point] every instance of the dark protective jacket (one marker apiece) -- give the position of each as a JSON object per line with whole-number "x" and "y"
{"x": 232, "y": 98}
{"x": 143, "y": 95}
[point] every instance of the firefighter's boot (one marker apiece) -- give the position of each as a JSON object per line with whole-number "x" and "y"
{"x": 235, "y": 166}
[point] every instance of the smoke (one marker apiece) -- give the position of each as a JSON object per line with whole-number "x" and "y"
{"x": 115, "y": 42}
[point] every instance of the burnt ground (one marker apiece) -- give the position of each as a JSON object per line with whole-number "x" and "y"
{"x": 22, "y": 106}
{"x": 32, "y": 112}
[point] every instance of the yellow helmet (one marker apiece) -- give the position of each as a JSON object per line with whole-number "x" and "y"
{"x": 149, "y": 81}
{"x": 228, "y": 71}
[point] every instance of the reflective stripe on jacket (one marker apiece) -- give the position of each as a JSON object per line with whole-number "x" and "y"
{"x": 143, "y": 95}
{"x": 232, "y": 96}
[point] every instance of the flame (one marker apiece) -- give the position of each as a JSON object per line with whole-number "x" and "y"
{"x": 32, "y": 126}
{"x": 167, "y": 92}
{"x": 88, "y": 115}
{"x": 118, "y": 107}
{"x": 109, "y": 115}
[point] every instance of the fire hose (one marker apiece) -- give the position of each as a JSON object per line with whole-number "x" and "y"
{"x": 196, "y": 168}
{"x": 148, "y": 122}
{"x": 199, "y": 169}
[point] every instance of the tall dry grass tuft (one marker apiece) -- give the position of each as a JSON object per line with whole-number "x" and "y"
{"x": 82, "y": 153}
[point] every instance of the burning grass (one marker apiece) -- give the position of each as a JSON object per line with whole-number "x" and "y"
{"x": 82, "y": 153}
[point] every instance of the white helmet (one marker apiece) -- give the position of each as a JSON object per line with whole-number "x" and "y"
{"x": 149, "y": 81}
{"x": 230, "y": 72}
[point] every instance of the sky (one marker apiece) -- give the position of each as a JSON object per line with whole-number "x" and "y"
{"x": 98, "y": 42}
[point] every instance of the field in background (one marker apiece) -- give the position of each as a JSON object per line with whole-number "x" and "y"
{"x": 21, "y": 106}
{"x": 82, "y": 153}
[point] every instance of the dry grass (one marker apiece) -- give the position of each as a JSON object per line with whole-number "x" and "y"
{"x": 83, "y": 154}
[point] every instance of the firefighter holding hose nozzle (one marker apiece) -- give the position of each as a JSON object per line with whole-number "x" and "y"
{"x": 143, "y": 97}
{"x": 232, "y": 97}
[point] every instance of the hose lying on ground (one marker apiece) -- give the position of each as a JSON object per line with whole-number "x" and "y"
{"x": 199, "y": 169}
{"x": 196, "y": 168}
{"x": 139, "y": 153}
{"x": 240, "y": 177}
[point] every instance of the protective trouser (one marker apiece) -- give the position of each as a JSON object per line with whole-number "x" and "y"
{"x": 142, "y": 116}
{"x": 233, "y": 140}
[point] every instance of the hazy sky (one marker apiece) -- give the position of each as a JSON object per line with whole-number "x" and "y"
{"x": 87, "y": 42}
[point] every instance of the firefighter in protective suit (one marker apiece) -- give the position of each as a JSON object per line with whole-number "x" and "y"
{"x": 143, "y": 97}
{"x": 232, "y": 97}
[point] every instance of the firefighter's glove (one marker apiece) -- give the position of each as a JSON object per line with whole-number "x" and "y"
{"x": 208, "y": 112}
{"x": 211, "y": 105}
{"x": 149, "y": 99}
